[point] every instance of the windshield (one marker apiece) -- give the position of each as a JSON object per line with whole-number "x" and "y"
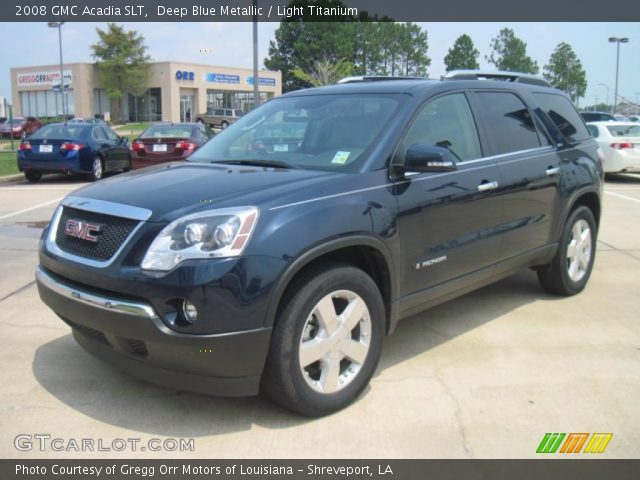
{"x": 624, "y": 130}
{"x": 58, "y": 132}
{"x": 323, "y": 132}
{"x": 168, "y": 131}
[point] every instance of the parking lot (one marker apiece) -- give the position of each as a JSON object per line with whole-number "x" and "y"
{"x": 483, "y": 376}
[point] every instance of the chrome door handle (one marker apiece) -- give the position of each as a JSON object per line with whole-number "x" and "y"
{"x": 552, "y": 171}
{"x": 485, "y": 187}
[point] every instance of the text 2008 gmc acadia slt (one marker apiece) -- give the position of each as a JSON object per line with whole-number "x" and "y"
{"x": 278, "y": 257}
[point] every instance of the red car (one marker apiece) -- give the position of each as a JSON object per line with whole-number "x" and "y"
{"x": 19, "y": 127}
{"x": 168, "y": 143}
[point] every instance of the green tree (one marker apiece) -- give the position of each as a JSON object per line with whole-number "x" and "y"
{"x": 565, "y": 72}
{"x": 509, "y": 53}
{"x": 463, "y": 55}
{"x": 371, "y": 46}
{"x": 123, "y": 63}
{"x": 324, "y": 72}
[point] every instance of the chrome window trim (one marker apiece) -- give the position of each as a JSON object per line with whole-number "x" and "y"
{"x": 540, "y": 150}
{"x": 110, "y": 304}
{"x": 95, "y": 206}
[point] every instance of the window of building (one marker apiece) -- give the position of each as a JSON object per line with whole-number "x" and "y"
{"x": 236, "y": 100}
{"x": 44, "y": 103}
{"x": 144, "y": 108}
{"x": 511, "y": 121}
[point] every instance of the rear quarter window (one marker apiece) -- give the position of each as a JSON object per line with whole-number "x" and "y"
{"x": 564, "y": 115}
{"x": 511, "y": 125}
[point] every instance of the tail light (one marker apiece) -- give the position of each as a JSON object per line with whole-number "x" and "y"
{"x": 182, "y": 145}
{"x": 25, "y": 146}
{"x": 71, "y": 147}
{"x": 622, "y": 146}
{"x": 138, "y": 146}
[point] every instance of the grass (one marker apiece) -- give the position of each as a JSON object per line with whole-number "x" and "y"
{"x": 132, "y": 128}
{"x": 8, "y": 163}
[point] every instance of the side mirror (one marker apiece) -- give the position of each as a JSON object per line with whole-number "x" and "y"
{"x": 124, "y": 140}
{"x": 427, "y": 158}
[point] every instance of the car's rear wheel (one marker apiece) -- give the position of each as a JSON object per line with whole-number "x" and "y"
{"x": 32, "y": 176}
{"x": 570, "y": 269}
{"x": 97, "y": 169}
{"x": 327, "y": 341}
{"x": 224, "y": 124}
{"x": 199, "y": 120}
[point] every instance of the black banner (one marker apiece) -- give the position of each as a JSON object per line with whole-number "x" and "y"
{"x": 542, "y": 469}
{"x": 316, "y": 10}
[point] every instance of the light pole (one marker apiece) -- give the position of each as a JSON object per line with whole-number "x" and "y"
{"x": 617, "y": 41}
{"x": 58, "y": 25}
{"x": 256, "y": 78}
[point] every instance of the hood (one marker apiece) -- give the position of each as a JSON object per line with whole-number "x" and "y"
{"x": 175, "y": 189}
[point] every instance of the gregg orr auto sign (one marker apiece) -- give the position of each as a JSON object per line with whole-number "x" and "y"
{"x": 29, "y": 79}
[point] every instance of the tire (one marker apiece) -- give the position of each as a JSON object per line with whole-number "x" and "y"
{"x": 319, "y": 387}
{"x": 570, "y": 269}
{"x": 224, "y": 124}
{"x": 32, "y": 176}
{"x": 199, "y": 120}
{"x": 129, "y": 168}
{"x": 97, "y": 169}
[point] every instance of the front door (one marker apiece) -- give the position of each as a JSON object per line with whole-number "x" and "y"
{"x": 186, "y": 108}
{"x": 448, "y": 222}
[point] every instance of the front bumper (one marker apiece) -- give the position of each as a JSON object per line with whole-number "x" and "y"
{"x": 131, "y": 336}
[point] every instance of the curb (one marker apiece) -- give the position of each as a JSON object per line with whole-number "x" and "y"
{"x": 11, "y": 178}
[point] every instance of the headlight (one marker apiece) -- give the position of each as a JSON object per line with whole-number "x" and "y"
{"x": 210, "y": 234}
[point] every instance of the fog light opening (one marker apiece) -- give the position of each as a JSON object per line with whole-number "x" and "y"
{"x": 189, "y": 311}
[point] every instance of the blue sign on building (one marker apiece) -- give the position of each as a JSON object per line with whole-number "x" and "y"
{"x": 221, "y": 78}
{"x": 266, "y": 81}
{"x": 184, "y": 75}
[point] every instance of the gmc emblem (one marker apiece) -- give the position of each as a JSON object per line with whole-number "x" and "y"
{"x": 82, "y": 230}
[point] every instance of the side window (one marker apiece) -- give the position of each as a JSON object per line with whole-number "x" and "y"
{"x": 446, "y": 122}
{"x": 564, "y": 115}
{"x": 219, "y": 112}
{"x": 111, "y": 135}
{"x": 593, "y": 130}
{"x": 510, "y": 125}
{"x": 98, "y": 134}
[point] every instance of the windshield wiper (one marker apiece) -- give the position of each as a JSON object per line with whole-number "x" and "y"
{"x": 258, "y": 163}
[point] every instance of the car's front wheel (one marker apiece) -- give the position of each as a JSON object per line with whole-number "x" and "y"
{"x": 327, "y": 341}
{"x": 96, "y": 169}
{"x": 32, "y": 176}
{"x": 570, "y": 269}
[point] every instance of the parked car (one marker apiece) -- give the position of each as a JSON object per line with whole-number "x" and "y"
{"x": 164, "y": 143}
{"x": 634, "y": 118}
{"x": 220, "y": 117}
{"x": 281, "y": 270}
{"x": 19, "y": 127}
{"x": 621, "y": 118}
{"x": 620, "y": 143}
{"x": 597, "y": 117}
{"x": 78, "y": 148}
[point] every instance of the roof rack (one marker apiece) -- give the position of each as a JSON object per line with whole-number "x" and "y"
{"x": 515, "y": 77}
{"x": 376, "y": 79}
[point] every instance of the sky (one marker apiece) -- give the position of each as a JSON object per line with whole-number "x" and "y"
{"x": 230, "y": 44}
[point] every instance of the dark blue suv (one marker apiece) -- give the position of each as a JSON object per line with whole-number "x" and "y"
{"x": 278, "y": 257}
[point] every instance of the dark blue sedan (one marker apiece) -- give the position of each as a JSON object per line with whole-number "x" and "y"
{"x": 73, "y": 148}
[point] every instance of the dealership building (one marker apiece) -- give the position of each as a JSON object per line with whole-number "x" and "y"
{"x": 175, "y": 92}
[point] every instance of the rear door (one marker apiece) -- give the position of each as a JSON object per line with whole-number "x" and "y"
{"x": 447, "y": 221}
{"x": 529, "y": 169}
